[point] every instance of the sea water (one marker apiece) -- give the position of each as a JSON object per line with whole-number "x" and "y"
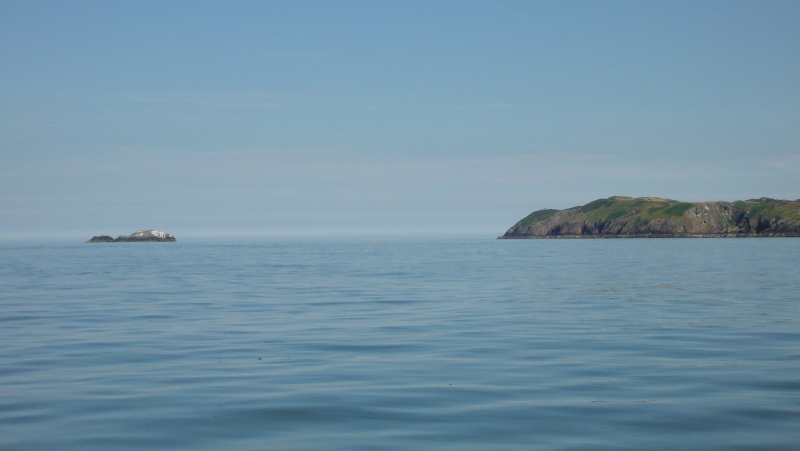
{"x": 407, "y": 343}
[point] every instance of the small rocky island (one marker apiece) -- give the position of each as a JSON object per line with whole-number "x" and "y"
{"x": 652, "y": 217}
{"x": 136, "y": 237}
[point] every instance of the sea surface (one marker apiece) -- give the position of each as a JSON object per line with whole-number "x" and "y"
{"x": 403, "y": 344}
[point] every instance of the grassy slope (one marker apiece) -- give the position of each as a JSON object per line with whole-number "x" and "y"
{"x": 770, "y": 208}
{"x": 615, "y": 207}
{"x": 638, "y": 208}
{"x": 537, "y": 216}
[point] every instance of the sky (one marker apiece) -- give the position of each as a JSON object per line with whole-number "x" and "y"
{"x": 369, "y": 118}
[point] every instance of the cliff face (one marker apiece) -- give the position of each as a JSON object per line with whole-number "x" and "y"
{"x": 646, "y": 217}
{"x": 140, "y": 236}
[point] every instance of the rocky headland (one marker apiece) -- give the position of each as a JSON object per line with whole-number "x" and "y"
{"x": 651, "y": 217}
{"x": 136, "y": 237}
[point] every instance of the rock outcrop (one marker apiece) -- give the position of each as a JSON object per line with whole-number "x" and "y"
{"x": 101, "y": 239}
{"x": 650, "y": 217}
{"x": 140, "y": 236}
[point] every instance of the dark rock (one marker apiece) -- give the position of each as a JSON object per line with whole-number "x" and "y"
{"x": 101, "y": 239}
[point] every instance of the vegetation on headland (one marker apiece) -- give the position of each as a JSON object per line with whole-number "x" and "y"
{"x": 621, "y": 216}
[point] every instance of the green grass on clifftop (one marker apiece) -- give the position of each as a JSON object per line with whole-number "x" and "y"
{"x": 769, "y": 208}
{"x": 602, "y": 210}
{"x": 642, "y": 208}
{"x": 677, "y": 209}
{"x": 537, "y": 216}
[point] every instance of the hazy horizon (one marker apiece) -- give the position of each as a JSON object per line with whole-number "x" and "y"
{"x": 346, "y": 118}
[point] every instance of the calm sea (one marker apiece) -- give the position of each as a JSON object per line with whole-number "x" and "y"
{"x": 423, "y": 344}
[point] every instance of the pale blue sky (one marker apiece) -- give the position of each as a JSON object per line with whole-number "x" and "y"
{"x": 206, "y": 118}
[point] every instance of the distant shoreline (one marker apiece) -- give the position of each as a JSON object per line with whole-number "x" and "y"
{"x": 141, "y": 236}
{"x": 652, "y": 217}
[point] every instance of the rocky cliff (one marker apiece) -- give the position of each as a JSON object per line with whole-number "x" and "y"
{"x": 140, "y": 236}
{"x": 650, "y": 217}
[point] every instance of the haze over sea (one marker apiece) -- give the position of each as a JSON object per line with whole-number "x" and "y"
{"x": 407, "y": 343}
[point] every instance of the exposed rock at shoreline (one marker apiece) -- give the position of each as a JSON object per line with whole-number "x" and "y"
{"x": 140, "y": 236}
{"x": 101, "y": 239}
{"x": 650, "y": 217}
